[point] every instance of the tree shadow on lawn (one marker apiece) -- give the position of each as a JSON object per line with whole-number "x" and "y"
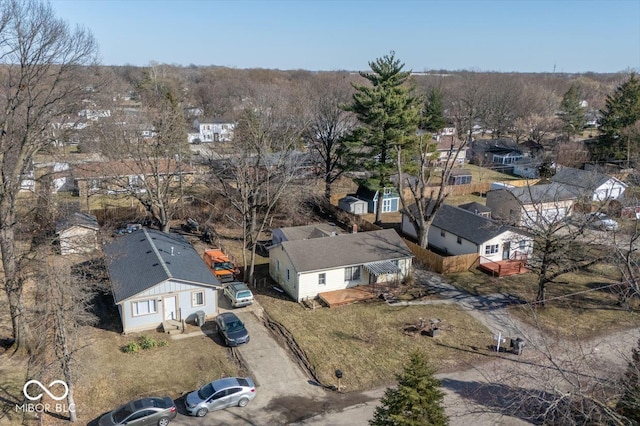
{"x": 525, "y": 404}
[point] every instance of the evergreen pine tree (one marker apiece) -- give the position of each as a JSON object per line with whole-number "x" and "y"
{"x": 620, "y": 119}
{"x": 389, "y": 115}
{"x": 573, "y": 114}
{"x": 433, "y": 113}
{"x": 417, "y": 400}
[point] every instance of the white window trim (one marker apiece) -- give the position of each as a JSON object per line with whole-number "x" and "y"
{"x": 490, "y": 249}
{"x": 322, "y": 278}
{"x": 135, "y": 305}
{"x": 194, "y": 299}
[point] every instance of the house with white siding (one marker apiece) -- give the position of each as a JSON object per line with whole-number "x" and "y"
{"x": 306, "y": 267}
{"x": 590, "y": 184}
{"x": 209, "y": 130}
{"x": 157, "y": 279}
{"x": 455, "y": 231}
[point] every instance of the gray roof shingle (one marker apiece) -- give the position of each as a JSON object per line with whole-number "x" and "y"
{"x": 585, "y": 179}
{"x": 84, "y": 220}
{"x": 467, "y": 225}
{"x": 545, "y": 193}
{"x": 145, "y": 258}
{"x": 345, "y": 250}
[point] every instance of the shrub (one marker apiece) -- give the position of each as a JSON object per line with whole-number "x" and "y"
{"x": 162, "y": 343}
{"x": 130, "y": 348}
{"x": 147, "y": 342}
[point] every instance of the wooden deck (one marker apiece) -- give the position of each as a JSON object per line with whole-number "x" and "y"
{"x": 503, "y": 268}
{"x": 347, "y": 296}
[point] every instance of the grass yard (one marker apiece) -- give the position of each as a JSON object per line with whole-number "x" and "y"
{"x": 367, "y": 341}
{"x": 109, "y": 377}
{"x": 576, "y": 309}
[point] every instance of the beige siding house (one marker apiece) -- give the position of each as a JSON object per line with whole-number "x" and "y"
{"x": 78, "y": 234}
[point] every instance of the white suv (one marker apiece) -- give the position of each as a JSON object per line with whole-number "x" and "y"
{"x": 602, "y": 221}
{"x": 238, "y": 294}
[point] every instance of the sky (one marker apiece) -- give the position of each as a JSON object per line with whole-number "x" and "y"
{"x": 571, "y": 36}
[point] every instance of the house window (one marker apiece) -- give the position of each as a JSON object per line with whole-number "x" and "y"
{"x": 352, "y": 273}
{"x": 288, "y": 275}
{"x": 491, "y": 249}
{"x": 459, "y": 240}
{"x": 94, "y": 184}
{"x": 197, "y": 298}
{"x": 322, "y": 279}
{"x": 523, "y": 245}
{"x": 442, "y": 233}
{"x": 386, "y": 206}
{"x": 144, "y": 307}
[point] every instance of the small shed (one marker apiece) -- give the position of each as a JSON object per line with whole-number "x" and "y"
{"x": 78, "y": 234}
{"x": 460, "y": 177}
{"x": 353, "y": 205}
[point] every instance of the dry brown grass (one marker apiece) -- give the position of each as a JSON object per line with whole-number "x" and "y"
{"x": 367, "y": 341}
{"x": 108, "y": 377}
{"x": 576, "y": 307}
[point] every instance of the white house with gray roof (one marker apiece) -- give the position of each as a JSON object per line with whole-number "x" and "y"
{"x": 455, "y": 231}
{"x": 306, "y": 267}
{"x": 157, "y": 277}
{"x": 591, "y": 184}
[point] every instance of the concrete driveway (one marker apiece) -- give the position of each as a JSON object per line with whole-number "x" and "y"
{"x": 283, "y": 393}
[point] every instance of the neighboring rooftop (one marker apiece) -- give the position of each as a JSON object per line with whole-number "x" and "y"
{"x": 467, "y": 225}
{"x": 83, "y": 220}
{"x": 306, "y": 232}
{"x": 475, "y": 207}
{"x": 542, "y": 193}
{"x": 345, "y": 250}
{"x": 585, "y": 179}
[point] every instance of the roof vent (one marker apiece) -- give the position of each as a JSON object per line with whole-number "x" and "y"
{"x": 171, "y": 250}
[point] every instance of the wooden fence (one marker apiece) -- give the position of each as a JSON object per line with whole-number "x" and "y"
{"x": 442, "y": 264}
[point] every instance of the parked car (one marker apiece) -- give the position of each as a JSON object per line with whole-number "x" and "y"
{"x": 602, "y": 221}
{"x": 142, "y": 412}
{"x": 231, "y": 329}
{"x": 219, "y": 394}
{"x": 238, "y": 294}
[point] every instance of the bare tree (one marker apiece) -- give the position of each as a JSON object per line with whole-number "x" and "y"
{"x": 63, "y": 307}
{"x": 325, "y": 135}
{"x": 148, "y": 149}
{"x": 41, "y": 59}
{"x": 264, "y": 161}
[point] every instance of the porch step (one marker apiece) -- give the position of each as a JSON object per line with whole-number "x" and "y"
{"x": 172, "y": 326}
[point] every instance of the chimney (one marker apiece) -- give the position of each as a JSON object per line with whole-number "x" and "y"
{"x": 354, "y": 228}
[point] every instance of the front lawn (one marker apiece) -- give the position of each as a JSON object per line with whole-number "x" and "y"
{"x": 367, "y": 340}
{"x": 577, "y": 306}
{"x": 109, "y": 377}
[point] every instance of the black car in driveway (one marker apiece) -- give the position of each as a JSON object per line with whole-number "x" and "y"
{"x": 142, "y": 412}
{"x": 231, "y": 329}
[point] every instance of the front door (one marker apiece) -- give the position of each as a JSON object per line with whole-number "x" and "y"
{"x": 506, "y": 249}
{"x": 170, "y": 308}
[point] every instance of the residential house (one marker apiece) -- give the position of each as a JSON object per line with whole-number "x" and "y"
{"x": 496, "y": 153}
{"x": 212, "y": 130}
{"x": 158, "y": 277}
{"x": 78, "y": 234}
{"x": 304, "y": 268}
{"x": 477, "y": 208}
{"x": 115, "y": 177}
{"x": 390, "y": 198}
{"x": 460, "y": 177}
{"x": 294, "y": 233}
{"x": 455, "y": 231}
{"x": 528, "y": 168}
{"x": 352, "y": 205}
{"x": 531, "y": 205}
{"x": 449, "y": 149}
{"x": 591, "y": 185}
